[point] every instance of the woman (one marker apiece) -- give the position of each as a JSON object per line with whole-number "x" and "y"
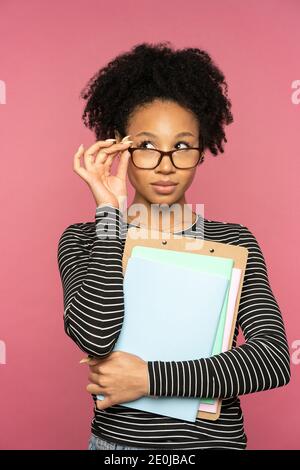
{"x": 160, "y": 99}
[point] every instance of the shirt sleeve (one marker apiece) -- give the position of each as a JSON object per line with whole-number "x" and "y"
{"x": 261, "y": 363}
{"x": 92, "y": 280}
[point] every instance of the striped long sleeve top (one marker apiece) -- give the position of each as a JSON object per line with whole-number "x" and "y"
{"x": 90, "y": 267}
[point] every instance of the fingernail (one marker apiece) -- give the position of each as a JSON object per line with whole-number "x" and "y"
{"x": 80, "y": 147}
{"x": 110, "y": 140}
{"x": 126, "y": 137}
{"x": 85, "y": 359}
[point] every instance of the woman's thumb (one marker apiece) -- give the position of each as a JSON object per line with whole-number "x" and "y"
{"x": 102, "y": 404}
{"x": 123, "y": 164}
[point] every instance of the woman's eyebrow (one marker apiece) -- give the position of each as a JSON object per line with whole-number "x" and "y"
{"x": 180, "y": 134}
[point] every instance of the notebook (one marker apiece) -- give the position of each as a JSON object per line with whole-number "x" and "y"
{"x": 171, "y": 314}
{"x": 211, "y": 405}
{"x": 137, "y": 236}
{"x": 206, "y": 263}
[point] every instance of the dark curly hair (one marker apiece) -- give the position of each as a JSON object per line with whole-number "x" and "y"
{"x": 149, "y": 71}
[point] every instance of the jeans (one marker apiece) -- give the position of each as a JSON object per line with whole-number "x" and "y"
{"x": 97, "y": 443}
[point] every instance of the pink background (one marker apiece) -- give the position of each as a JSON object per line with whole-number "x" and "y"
{"x": 48, "y": 53}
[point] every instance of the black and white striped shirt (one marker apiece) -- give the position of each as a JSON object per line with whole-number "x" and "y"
{"x": 91, "y": 273}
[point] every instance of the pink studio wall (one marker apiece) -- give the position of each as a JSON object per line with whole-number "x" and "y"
{"x": 48, "y": 53}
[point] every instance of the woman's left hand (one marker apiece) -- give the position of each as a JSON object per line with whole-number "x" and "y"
{"x": 120, "y": 377}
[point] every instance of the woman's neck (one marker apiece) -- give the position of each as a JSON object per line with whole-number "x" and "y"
{"x": 167, "y": 218}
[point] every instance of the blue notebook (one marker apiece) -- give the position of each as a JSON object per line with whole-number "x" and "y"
{"x": 214, "y": 264}
{"x": 171, "y": 314}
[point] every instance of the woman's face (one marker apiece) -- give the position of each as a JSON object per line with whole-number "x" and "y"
{"x": 164, "y": 120}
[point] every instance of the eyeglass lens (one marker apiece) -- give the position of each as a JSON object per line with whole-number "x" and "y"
{"x": 148, "y": 158}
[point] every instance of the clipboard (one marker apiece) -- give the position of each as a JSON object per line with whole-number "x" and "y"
{"x": 140, "y": 236}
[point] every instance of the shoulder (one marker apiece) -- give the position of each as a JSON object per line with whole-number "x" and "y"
{"x": 223, "y": 231}
{"x": 222, "y": 224}
{"x": 80, "y": 232}
{"x": 235, "y": 232}
{"x": 86, "y": 230}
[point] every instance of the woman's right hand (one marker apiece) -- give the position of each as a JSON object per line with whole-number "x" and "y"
{"x": 106, "y": 188}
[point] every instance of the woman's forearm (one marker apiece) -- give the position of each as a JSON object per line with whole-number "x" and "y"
{"x": 91, "y": 273}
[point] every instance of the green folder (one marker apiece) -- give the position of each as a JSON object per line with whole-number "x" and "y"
{"x": 212, "y": 264}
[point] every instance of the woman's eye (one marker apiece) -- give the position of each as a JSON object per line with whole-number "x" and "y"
{"x": 183, "y": 142}
{"x": 141, "y": 144}
{"x": 144, "y": 142}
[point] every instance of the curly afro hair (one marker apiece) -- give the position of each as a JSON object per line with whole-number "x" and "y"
{"x": 149, "y": 71}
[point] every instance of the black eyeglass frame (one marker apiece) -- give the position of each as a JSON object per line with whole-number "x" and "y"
{"x": 170, "y": 155}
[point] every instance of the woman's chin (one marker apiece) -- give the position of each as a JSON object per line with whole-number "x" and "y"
{"x": 168, "y": 199}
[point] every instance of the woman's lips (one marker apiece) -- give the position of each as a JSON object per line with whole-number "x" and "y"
{"x": 164, "y": 189}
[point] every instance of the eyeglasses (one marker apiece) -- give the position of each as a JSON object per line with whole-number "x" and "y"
{"x": 182, "y": 159}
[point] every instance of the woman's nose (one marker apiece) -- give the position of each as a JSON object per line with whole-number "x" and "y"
{"x": 165, "y": 164}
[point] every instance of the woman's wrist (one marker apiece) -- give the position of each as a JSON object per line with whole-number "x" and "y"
{"x": 104, "y": 204}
